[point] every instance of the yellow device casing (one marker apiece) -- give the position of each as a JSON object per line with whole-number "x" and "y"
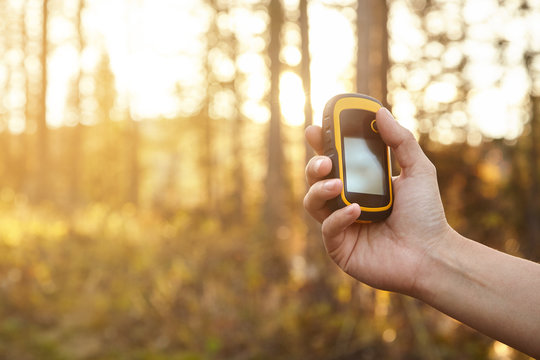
{"x": 353, "y": 116}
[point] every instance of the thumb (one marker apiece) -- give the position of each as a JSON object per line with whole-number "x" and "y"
{"x": 406, "y": 149}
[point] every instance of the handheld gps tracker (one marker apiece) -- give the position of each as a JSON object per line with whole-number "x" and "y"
{"x": 359, "y": 156}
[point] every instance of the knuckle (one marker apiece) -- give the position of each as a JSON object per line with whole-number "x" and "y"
{"x": 309, "y": 168}
{"x": 324, "y": 228}
{"x": 306, "y": 201}
{"x": 311, "y": 196}
{"x": 430, "y": 167}
{"x": 306, "y": 173}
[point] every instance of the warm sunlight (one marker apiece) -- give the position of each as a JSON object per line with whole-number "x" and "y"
{"x": 292, "y": 98}
{"x": 151, "y": 61}
{"x": 499, "y": 84}
{"x": 333, "y": 50}
{"x": 156, "y": 51}
{"x": 154, "y": 202}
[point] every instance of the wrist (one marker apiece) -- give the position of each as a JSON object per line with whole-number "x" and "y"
{"x": 437, "y": 259}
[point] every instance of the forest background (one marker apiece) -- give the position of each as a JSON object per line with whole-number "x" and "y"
{"x": 152, "y": 160}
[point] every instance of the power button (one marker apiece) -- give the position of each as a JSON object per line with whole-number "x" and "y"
{"x": 374, "y": 126}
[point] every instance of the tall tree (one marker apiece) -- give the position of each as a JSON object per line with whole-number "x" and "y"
{"x": 363, "y": 26}
{"x": 533, "y": 209}
{"x": 372, "y": 48}
{"x": 5, "y": 109}
{"x": 133, "y": 140}
{"x": 275, "y": 180}
{"x": 133, "y": 132}
{"x": 111, "y": 154}
{"x": 22, "y": 161}
{"x": 312, "y": 249}
{"x": 43, "y": 165}
{"x": 305, "y": 69}
{"x": 382, "y": 40}
{"x": 75, "y": 153}
{"x": 532, "y": 212}
{"x": 237, "y": 150}
{"x": 207, "y": 161}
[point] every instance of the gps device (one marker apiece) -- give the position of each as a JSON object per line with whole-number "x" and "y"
{"x": 359, "y": 156}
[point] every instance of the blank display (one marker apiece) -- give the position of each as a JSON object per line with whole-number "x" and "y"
{"x": 364, "y": 169}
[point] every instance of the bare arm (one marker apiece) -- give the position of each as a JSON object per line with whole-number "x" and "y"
{"x": 416, "y": 252}
{"x": 493, "y": 292}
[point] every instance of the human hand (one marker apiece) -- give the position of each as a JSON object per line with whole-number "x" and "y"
{"x": 389, "y": 254}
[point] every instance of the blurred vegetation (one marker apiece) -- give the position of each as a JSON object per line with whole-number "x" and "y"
{"x": 182, "y": 236}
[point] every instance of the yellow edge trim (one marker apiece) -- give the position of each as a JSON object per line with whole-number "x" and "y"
{"x": 366, "y": 104}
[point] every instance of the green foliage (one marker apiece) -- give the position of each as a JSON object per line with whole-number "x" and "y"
{"x": 104, "y": 283}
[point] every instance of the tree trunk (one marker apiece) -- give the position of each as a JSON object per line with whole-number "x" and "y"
{"x": 132, "y": 127}
{"x": 77, "y": 138}
{"x": 372, "y": 51}
{"x": 363, "y": 26}
{"x": 239, "y": 181}
{"x": 274, "y": 206}
{"x": 313, "y": 251}
{"x": 207, "y": 163}
{"x": 22, "y": 160}
{"x": 305, "y": 71}
{"x": 385, "y": 59}
{"x": 533, "y": 213}
{"x": 133, "y": 159}
{"x": 43, "y": 166}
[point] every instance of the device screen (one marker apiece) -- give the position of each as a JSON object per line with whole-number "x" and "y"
{"x": 364, "y": 167}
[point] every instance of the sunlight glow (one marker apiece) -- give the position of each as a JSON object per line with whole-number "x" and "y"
{"x": 406, "y": 33}
{"x": 404, "y": 109}
{"x": 255, "y": 111}
{"x": 492, "y": 114}
{"x": 149, "y": 57}
{"x": 62, "y": 67}
{"x": 389, "y": 335}
{"x": 291, "y": 55}
{"x": 496, "y": 84}
{"x": 441, "y": 92}
{"x": 500, "y": 351}
{"x": 223, "y": 105}
{"x": 158, "y": 49}
{"x": 292, "y": 98}
{"x": 332, "y": 54}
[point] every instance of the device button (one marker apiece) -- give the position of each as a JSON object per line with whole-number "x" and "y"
{"x": 374, "y": 126}
{"x": 328, "y": 136}
{"x": 331, "y": 155}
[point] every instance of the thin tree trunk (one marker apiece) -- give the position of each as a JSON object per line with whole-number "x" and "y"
{"x": 132, "y": 132}
{"x": 378, "y": 51}
{"x": 275, "y": 176}
{"x": 363, "y": 25}
{"x": 133, "y": 160}
{"x": 313, "y": 250}
{"x": 23, "y": 156}
{"x": 306, "y": 71}
{"x": 533, "y": 213}
{"x": 239, "y": 180}
{"x": 43, "y": 166}
{"x": 207, "y": 159}
{"x": 385, "y": 61}
{"x": 76, "y": 148}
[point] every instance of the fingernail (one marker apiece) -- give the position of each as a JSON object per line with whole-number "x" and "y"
{"x": 318, "y": 164}
{"x": 352, "y": 208}
{"x": 331, "y": 184}
{"x": 388, "y": 114}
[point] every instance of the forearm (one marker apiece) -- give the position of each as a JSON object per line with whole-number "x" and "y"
{"x": 493, "y": 292}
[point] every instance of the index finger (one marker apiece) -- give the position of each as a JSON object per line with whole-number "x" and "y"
{"x": 314, "y": 137}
